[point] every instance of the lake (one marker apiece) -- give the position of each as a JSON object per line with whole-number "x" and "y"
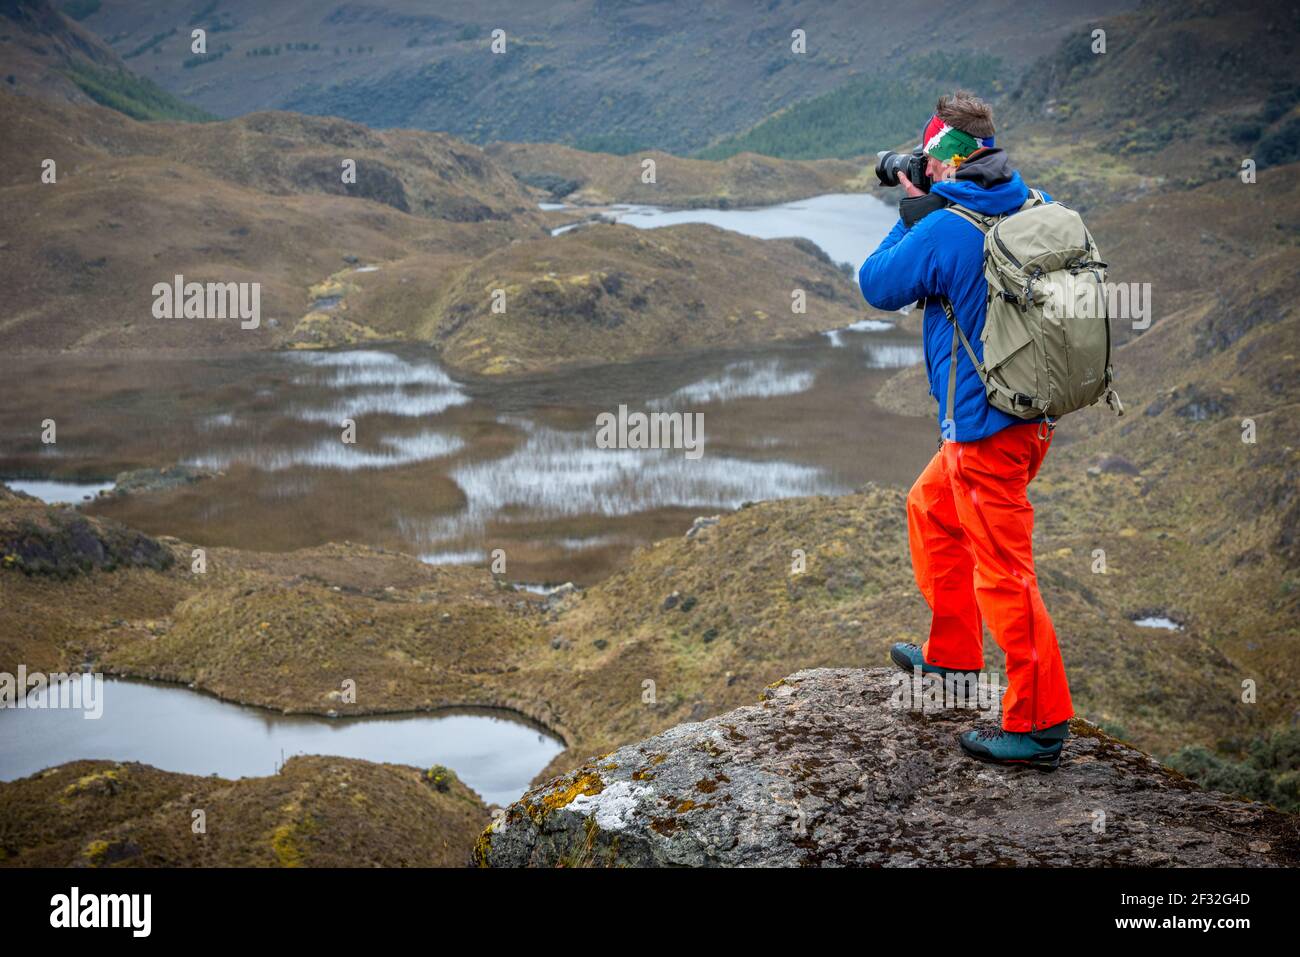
{"x": 173, "y": 728}
{"x": 450, "y": 470}
{"x": 847, "y": 226}
{"x": 445, "y": 469}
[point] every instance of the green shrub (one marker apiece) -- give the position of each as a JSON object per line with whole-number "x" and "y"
{"x": 866, "y": 114}
{"x": 79, "y": 9}
{"x": 1280, "y": 146}
{"x": 133, "y": 95}
{"x": 1269, "y": 772}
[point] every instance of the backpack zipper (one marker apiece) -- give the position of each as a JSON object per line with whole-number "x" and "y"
{"x": 1003, "y": 246}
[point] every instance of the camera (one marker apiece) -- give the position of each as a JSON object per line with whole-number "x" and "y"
{"x": 912, "y": 165}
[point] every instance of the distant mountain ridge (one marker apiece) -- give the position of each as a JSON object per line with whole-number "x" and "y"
{"x": 45, "y": 54}
{"x": 675, "y": 75}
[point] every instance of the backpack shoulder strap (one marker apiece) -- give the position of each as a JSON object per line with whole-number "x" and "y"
{"x": 980, "y": 222}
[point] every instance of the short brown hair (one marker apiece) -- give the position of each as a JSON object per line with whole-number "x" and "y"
{"x": 967, "y": 112}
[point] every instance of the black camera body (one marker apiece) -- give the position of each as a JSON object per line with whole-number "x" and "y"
{"x": 912, "y": 165}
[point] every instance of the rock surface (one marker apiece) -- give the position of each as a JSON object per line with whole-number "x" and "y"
{"x": 38, "y": 539}
{"x": 827, "y": 771}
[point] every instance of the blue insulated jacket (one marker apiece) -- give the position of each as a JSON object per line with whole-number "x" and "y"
{"x": 940, "y": 255}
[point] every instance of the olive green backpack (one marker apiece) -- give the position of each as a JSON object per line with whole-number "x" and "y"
{"x": 1047, "y": 333}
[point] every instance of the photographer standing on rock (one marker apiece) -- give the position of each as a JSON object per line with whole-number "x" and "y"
{"x": 970, "y": 524}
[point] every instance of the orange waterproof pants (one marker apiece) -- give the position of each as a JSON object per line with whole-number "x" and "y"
{"x": 970, "y": 528}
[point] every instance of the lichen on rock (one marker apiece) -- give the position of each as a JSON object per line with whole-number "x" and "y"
{"x": 827, "y": 771}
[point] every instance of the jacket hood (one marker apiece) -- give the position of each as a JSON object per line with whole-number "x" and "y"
{"x": 986, "y": 184}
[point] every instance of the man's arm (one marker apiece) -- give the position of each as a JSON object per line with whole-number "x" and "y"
{"x": 901, "y": 270}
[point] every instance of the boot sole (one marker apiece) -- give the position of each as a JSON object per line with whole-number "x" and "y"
{"x": 1038, "y": 764}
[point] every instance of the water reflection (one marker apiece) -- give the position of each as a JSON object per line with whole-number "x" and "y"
{"x": 177, "y": 729}
{"x": 749, "y": 379}
{"x": 332, "y": 453}
{"x": 846, "y": 226}
{"x": 59, "y": 493}
{"x": 892, "y": 355}
{"x": 558, "y": 473}
{"x": 450, "y": 470}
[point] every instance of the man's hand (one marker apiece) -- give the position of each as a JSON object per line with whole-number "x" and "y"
{"x": 906, "y": 183}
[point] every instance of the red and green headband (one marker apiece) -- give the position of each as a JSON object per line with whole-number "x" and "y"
{"x": 948, "y": 144}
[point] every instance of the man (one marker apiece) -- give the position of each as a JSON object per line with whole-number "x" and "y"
{"x": 970, "y": 525}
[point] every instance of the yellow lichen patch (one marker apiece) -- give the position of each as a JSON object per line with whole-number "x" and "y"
{"x": 835, "y": 549}
{"x": 501, "y": 365}
{"x": 94, "y": 852}
{"x": 287, "y": 852}
{"x": 483, "y": 846}
{"x": 99, "y": 781}
{"x": 286, "y": 841}
{"x": 586, "y": 782}
{"x": 322, "y": 329}
{"x": 331, "y": 287}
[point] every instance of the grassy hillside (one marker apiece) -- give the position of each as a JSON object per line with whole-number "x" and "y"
{"x": 868, "y": 113}
{"x": 577, "y": 176}
{"x": 709, "y": 619}
{"x": 1183, "y": 94}
{"x": 604, "y": 292}
{"x": 316, "y": 812}
{"x": 610, "y": 75}
{"x": 127, "y": 93}
{"x": 261, "y": 199}
{"x": 46, "y": 54}
{"x": 255, "y": 200}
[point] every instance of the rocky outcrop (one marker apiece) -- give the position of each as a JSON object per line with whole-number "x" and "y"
{"x": 48, "y": 540}
{"x": 828, "y": 770}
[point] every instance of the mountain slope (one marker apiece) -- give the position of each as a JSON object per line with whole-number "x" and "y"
{"x": 261, "y": 199}
{"x": 316, "y": 812}
{"x": 44, "y": 54}
{"x": 669, "y": 74}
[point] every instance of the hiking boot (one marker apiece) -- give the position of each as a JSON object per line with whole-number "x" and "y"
{"x": 909, "y": 657}
{"x": 1037, "y": 749}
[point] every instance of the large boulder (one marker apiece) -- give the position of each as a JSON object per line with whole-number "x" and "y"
{"x": 829, "y": 769}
